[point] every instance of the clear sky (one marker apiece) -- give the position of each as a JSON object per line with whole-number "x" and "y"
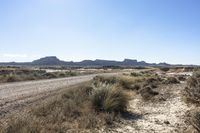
{"x": 149, "y": 30}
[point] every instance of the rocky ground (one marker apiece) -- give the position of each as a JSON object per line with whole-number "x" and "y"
{"x": 164, "y": 115}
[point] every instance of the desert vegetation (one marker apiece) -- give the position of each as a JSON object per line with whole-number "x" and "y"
{"x": 80, "y": 108}
{"x": 191, "y": 95}
{"x": 104, "y": 102}
{"x": 192, "y": 91}
{"x": 22, "y": 74}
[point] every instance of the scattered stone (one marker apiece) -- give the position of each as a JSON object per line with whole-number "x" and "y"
{"x": 167, "y": 122}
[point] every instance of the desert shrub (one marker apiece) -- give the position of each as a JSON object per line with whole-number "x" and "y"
{"x": 12, "y": 78}
{"x": 70, "y": 73}
{"x": 171, "y": 80}
{"x": 79, "y": 95}
{"x": 50, "y": 75}
{"x": 151, "y": 82}
{"x": 195, "y": 120}
{"x": 134, "y": 74}
{"x": 110, "y": 99}
{"x": 147, "y": 93}
{"x": 181, "y": 78}
{"x": 164, "y": 69}
{"x": 136, "y": 87}
{"x": 192, "y": 91}
{"x": 126, "y": 84}
{"x": 104, "y": 80}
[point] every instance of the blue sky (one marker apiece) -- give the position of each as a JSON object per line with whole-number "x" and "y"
{"x": 149, "y": 30}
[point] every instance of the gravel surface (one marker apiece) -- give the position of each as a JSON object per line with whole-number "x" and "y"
{"x": 16, "y": 96}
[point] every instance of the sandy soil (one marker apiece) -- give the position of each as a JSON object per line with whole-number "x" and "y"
{"x": 164, "y": 116}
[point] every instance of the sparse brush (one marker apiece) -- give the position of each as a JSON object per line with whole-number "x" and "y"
{"x": 110, "y": 99}
{"x": 127, "y": 84}
{"x": 12, "y": 78}
{"x": 195, "y": 120}
{"x": 171, "y": 80}
{"x": 181, "y": 77}
{"x": 135, "y": 74}
{"x": 71, "y": 111}
{"x": 151, "y": 82}
{"x": 105, "y": 80}
{"x": 20, "y": 74}
{"x": 148, "y": 93}
{"x": 192, "y": 91}
{"x": 164, "y": 69}
{"x": 25, "y": 124}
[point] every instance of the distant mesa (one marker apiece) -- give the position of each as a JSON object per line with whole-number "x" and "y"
{"x": 53, "y": 60}
{"x": 50, "y": 60}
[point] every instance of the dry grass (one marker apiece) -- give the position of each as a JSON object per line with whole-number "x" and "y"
{"x": 73, "y": 111}
{"x": 191, "y": 95}
{"x": 195, "y": 120}
{"x": 109, "y": 98}
{"x": 143, "y": 85}
{"x": 18, "y": 74}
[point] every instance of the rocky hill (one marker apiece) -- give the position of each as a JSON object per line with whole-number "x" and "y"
{"x": 53, "y": 60}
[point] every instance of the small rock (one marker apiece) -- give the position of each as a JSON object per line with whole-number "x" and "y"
{"x": 167, "y": 122}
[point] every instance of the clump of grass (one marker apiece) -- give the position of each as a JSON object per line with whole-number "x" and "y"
{"x": 136, "y": 74}
{"x": 104, "y": 80}
{"x": 109, "y": 98}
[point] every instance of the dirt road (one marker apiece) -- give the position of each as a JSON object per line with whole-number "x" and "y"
{"x": 15, "y": 96}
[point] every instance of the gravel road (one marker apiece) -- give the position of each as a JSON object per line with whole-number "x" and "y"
{"x": 15, "y": 96}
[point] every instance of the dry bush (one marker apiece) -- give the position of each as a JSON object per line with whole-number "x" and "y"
{"x": 126, "y": 82}
{"x": 11, "y": 78}
{"x": 109, "y": 98}
{"x": 147, "y": 93}
{"x": 104, "y": 80}
{"x": 192, "y": 91}
{"x": 136, "y": 74}
{"x": 164, "y": 69}
{"x": 171, "y": 80}
{"x": 181, "y": 77}
{"x": 195, "y": 120}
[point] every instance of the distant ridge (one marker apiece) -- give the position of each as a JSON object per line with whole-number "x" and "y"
{"x": 53, "y": 60}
